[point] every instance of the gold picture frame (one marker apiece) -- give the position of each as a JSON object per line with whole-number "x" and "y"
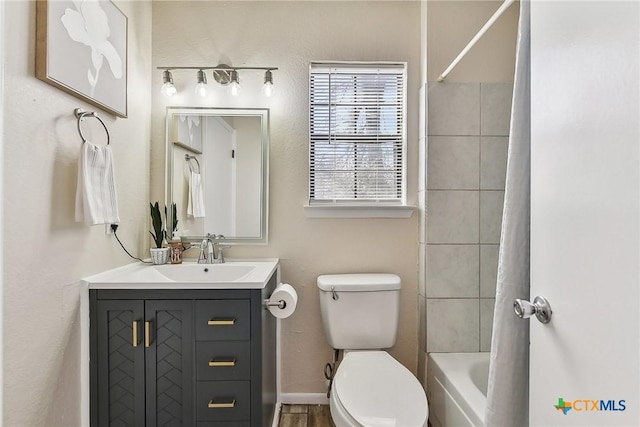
{"x": 81, "y": 48}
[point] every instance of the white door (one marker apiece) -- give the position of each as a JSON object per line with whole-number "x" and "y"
{"x": 220, "y": 177}
{"x": 585, "y": 213}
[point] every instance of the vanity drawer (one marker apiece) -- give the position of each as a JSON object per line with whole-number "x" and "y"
{"x": 223, "y": 360}
{"x": 224, "y": 320}
{"x": 223, "y": 401}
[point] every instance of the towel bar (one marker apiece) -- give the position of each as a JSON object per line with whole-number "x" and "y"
{"x": 81, "y": 114}
{"x": 188, "y": 157}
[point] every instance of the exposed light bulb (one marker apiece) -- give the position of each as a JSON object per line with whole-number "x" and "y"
{"x": 201, "y": 89}
{"x": 234, "y": 89}
{"x": 201, "y": 86}
{"x": 167, "y": 89}
{"x": 234, "y": 86}
{"x": 267, "y": 89}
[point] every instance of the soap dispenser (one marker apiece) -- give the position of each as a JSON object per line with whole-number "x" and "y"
{"x": 176, "y": 250}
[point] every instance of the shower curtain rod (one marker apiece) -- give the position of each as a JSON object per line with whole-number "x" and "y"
{"x": 473, "y": 41}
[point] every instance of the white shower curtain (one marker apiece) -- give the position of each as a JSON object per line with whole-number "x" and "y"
{"x": 508, "y": 391}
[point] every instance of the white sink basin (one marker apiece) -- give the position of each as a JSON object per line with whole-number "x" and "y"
{"x": 234, "y": 274}
{"x": 212, "y": 273}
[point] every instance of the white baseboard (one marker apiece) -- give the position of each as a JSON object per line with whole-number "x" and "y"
{"x": 304, "y": 398}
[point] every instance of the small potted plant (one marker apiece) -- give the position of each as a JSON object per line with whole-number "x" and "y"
{"x": 159, "y": 255}
{"x": 174, "y": 219}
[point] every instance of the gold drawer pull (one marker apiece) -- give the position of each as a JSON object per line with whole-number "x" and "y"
{"x": 147, "y": 334}
{"x": 220, "y": 363}
{"x": 135, "y": 340}
{"x": 221, "y": 322}
{"x": 213, "y": 405}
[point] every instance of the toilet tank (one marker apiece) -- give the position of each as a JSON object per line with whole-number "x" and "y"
{"x": 360, "y": 311}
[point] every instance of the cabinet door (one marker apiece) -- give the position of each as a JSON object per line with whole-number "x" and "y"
{"x": 169, "y": 361}
{"x": 120, "y": 367}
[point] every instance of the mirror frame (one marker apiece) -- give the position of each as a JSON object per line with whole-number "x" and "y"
{"x": 263, "y": 113}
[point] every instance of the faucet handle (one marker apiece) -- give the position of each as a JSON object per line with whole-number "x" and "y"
{"x": 221, "y": 254}
{"x": 202, "y": 258}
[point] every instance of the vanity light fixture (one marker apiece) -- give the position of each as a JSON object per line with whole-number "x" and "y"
{"x": 168, "y": 89}
{"x": 223, "y": 74}
{"x": 267, "y": 89}
{"x": 201, "y": 86}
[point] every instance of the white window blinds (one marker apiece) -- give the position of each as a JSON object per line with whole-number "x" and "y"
{"x": 357, "y": 133}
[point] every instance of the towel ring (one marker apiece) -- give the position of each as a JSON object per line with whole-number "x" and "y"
{"x": 81, "y": 114}
{"x": 187, "y": 157}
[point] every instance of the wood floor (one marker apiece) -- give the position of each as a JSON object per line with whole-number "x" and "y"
{"x": 305, "y": 416}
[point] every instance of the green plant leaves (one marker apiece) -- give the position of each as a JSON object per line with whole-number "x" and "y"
{"x": 156, "y": 220}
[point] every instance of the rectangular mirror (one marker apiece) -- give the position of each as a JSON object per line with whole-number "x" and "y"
{"x": 217, "y": 173}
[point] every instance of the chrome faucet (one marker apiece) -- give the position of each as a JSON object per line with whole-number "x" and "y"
{"x": 211, "y": 251}
{"x": 218, "y": 255}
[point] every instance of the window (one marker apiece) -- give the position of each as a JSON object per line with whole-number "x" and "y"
{"x": 357, "y": 133}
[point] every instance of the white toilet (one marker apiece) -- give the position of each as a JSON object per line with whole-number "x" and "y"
{"x": 370, "y": 388}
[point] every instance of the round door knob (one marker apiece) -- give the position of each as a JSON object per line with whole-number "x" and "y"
{"x": 523, "y": 309}
{"x": 540, "y": 307}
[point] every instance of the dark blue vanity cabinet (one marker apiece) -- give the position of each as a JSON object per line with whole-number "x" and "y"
{"x": 182, "y": 357}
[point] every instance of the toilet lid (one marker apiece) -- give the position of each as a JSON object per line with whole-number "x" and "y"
{"x": 377, "y": 391}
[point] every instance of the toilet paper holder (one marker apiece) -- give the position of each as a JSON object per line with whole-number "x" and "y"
{"x": 280, "y": 303}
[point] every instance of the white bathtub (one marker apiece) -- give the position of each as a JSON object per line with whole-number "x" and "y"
{"x": 457, "y": 389}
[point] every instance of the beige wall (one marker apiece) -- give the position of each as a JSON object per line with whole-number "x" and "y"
{"x": 450, "y": 26}
{"x": 289, "y": 35}
{"x": 45, "y": 252}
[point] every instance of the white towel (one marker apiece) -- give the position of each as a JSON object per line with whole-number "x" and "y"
{"x": 195, "y": 204}
{"x": 96, "y": 201}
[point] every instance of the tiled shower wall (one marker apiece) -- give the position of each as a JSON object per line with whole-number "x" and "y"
{"x": 468, "y": 126}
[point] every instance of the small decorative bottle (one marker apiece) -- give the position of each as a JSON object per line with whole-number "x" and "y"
{"x": 176, "y": 251}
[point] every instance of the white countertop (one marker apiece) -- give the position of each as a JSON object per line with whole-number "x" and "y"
{"x": 144, "y": 276}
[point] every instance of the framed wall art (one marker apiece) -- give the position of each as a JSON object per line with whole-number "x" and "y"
{"x": 189, "y": 130}
{"x": 81, "y": 48}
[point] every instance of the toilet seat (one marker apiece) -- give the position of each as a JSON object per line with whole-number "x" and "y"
{"x": 375, "y": 390}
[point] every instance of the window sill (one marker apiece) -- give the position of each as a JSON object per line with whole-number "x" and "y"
{"x": 350, "y": 211}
